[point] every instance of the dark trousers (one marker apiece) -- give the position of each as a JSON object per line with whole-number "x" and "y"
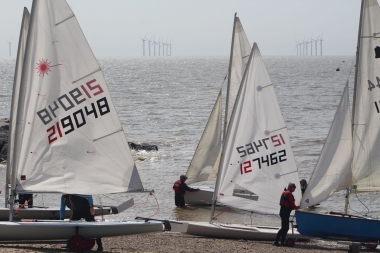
{"x": 284, "y": 214}
{"x": 81, "y": 209}
{"x": 179, "y": 200}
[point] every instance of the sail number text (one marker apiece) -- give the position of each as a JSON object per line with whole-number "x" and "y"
{"x": 269, "y": 160}
{"x": 77, "y": 119}
{"x": 251, "y": 148}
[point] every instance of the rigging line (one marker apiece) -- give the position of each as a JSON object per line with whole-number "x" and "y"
{"x": 225, "y": 210}
{"x": 224, "y": 80}
{"x": 361, "y": 202}
{"x": 158, "y": 206}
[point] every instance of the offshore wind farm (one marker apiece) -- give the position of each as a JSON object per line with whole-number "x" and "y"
{"x": 302, "y": 46}
{"x": 164, "y": 48}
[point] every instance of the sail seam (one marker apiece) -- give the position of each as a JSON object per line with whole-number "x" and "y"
{"x": 99, "y": 69}
{"x": 119, "y": 130}
{"x": 65, "y": 19}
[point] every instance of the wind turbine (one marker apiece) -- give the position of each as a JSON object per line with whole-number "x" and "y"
{"x": 163, "y": 46}
{"x": 154, "y": 44}
{"x": 150, "y": 40}
{"x": 303, "y": 47}
{"x": 320, "y": 40}
{"x": 311, "y": 45}
{"x": 143, "y": 41}
{"x": 159, "y": 46}
{"x": 10, "y": 47}
{"x": 297, "y": 46}
{"x": 316, "y": 47}
{"x": 170, "y": 44}
{"x": 167, "y": 47}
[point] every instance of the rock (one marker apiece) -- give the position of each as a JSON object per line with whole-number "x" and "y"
{"x": 3, "y": 153}
{"x": 143, "y": 146}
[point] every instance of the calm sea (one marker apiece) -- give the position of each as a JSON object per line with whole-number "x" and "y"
{"x": 167, "y": 101}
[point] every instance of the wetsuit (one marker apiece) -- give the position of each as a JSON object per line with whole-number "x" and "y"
{"x": 287, "y": 203}
{"x": 180, "y": 189}
{"x": 80, "y": 205}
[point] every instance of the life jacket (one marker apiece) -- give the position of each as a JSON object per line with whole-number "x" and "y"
{"x": 284, "y": 199}
{"x": 177, "y": 186}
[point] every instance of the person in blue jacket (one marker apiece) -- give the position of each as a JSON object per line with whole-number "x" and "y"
{"x": 82, "y": 207}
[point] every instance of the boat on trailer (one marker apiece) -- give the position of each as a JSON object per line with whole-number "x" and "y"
{"x": 350, "y": 156}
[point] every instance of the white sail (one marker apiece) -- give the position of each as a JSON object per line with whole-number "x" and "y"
{"x": 68, "y": 135}
{"x": 202, "y": 165}
{"x": 15, "y": 96}
{"x": 333, "y": 170}
{"x": 257, "y": 154}
{"x": 238, "y": 60}
{"x": 366, "y": 120}
{"x": 205, "y": 162}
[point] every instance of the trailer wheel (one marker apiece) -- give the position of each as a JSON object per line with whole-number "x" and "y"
{"x": 77, "y": 243}
{"x": 290, "y": 242}
{"x": 90, "y": 243}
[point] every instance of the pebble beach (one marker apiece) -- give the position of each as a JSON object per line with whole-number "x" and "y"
{"x": 176, "y": 242}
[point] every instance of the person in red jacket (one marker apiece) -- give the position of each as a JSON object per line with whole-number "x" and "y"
{"x": 180, "y": 188}
{"x": 287, "y": 203}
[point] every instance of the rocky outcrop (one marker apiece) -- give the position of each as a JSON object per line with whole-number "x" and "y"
{"x": 143, "y": 146}
{"x": 4, "y": 132}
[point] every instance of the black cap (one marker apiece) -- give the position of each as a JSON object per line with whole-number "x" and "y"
{"x": 183, "y": 177}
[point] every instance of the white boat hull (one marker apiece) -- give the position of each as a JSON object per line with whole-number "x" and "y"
{"x": 53, "y": 213}
{"x": 231, "y": 231}
{"x": 57, "y": 230}
{"x": 45, "y": 213}
{"x": 205, "y": 194}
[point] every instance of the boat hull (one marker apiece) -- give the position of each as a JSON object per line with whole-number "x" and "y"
{"x": 45, "y": 213}
{"x": 53, "y": 213}
{"x": 230, "y": 231}
{"x": 337, "y": 227}
{"x": 205, "y": 194}
{"x": 56, "y": 230}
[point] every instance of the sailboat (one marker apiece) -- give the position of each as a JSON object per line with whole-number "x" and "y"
{"x": 35, "y": 213}
{"x": 351, "y": 151}
{"x": 205, "y": 162}
{"x": 67, "y": 134}
{"x": 256, "y": 155}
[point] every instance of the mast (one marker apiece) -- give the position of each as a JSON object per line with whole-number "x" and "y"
{"x": 225, "y": 122}
{"x": 355, "y": 86}
{"x": 20, "y": 115}
{"x": 229, "y": 78}
{"x": 15, "y": 94}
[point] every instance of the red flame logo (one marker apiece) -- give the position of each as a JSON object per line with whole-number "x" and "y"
{"x": 43, "y": 67}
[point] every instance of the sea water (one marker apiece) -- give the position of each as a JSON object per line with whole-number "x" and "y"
{"x": 166, "y": 101}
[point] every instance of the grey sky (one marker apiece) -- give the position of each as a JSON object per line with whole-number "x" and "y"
{"x": 201, "y": 27}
